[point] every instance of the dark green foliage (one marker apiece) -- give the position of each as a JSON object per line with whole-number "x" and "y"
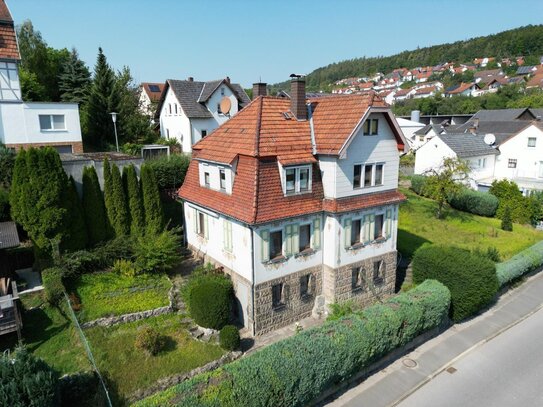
{"x": 20, "y": 178}
{"x": 7, "y": 162}
{"x": 507, "y": 223}
{"x": 470, "y": 278}
{"x": 229, "y": 337}
{"x": 135, "y": 200}
{"x": 170, "y": 171}
{"x": 108, "y": 195}
{"x": 149, "y": 341}
{"x": 53, "y": 286}
{"x": 27, "y": 381}
{"x": 295, "y": 371}
{"x": 76, "y": 237}
{"x": 94, "y": 207}
{"x": 510, "y": 196}
{"x": 74, "y": 79}
{"x": 478, "y": 203}
{"x": 522, "y": 263}
{"x": 158, "y": 253}
{"x": 121, "y": 220}
{"x": 340, "y": 309}
{"x": 418, "y": 182}
{"x": 209, "y": 300}
{"x": 81, "y": 389}
{"x": 4, "y": 205}
{"x": 154, "y": 214}
{"x": 490, "y": 253}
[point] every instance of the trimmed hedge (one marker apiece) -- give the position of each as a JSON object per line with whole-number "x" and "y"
{"x": 478, "y": 203}
{"x": 169, "y": 171}
{"x": 470, "y": 278}
{"x": 524, "y": 262}
{"x": 418, "y": 182}
{"x": 295, "y": 371}
{"x": 52, "y": 284}
{"x": 229, "y": 337}
{"x": 210, "y": 300}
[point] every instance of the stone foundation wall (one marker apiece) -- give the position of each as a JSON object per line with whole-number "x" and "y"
{"x": 338, "y": 282}
{"x": 295, "y": 308}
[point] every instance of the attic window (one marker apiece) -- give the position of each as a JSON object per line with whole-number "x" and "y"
{"x": 297, "y": 180}
{"x": 371, "y": 127}
{"x": 222, "y": 91}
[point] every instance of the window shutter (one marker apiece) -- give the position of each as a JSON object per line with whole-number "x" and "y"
{"x": 288, "y": 240}
{"x": 206, "y": 217}
{"x": 372, "y": 227}
{"x": 312, "y": 285}
{"x": 295, "y": 238}
{"x": 347, "y": 231}
{"x": 317, "y": 233}
{"x": 388, "y": 229}
{"x": 225, "y": 234}
{"x": 265, "y": 245}
{"x": 366, "y": 229}
{"x": 230, "y": 243}
{"x": 194, "y": 220}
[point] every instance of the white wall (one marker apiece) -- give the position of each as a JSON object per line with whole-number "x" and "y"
{"x": 216, "y": 98}
{"x": 176, "y": 126}
{"x": 431, "y": 155}
{"x": 214, "y": 176}
{"x": 409, "y": 128}
{"x": 10, "y": 88}
{"x": 477, "y": 170}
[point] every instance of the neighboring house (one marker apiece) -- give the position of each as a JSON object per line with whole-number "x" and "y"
{"x": 297, "y": 200}
{"x": 425, "y": 92}
{"x": 465, "y": 89}
{"x": 535, "y": 81}
{"x": 409, "y": 128}
{"x": 28, "y": 124}
{"x": 149, "y": 97}
{"x": 488, "y": 76}
{"x": 482, "y": 62}
{"x": 526, "y": 70}
{"x": 190, "y": 110}
{"x": 425, "y": 133}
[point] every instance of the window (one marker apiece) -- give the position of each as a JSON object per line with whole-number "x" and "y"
{"x": 378, "y": 174}
{"x": 278, "y": 295}
{"x": 304, "y": 238}
{"x": 373, "y": 175}
{"x": 222, "y": 174}
{"x": 297, "y": 180}
{"x": 531, "y": 141}
{"x": 167, "y": 133}
{"x": 357, "y": 278}
{"x": 201, "y": 224}
{"x": 304, "y": 286}
{"x": 52, "y": 122}
{"x": 219, "y": 108}
{"x": 175, "y": 105}
{"x": 378, "y": 272}
{"x": 512, "y": 163}
{"x": 379, "y": 223}
{"x": 222, "y": 91}
{"x": 371, "y": 127}
{"x": 368, "y": 170}
{"x": 355, "y": 232}
{"x": 206, "y": 179}
{"x": 170, "y": 107}
{"x": 356, "y": 176}
{"x": 204, "y": 133}
{"x": 227, "y": 235}
{"x": 276, "y": 244}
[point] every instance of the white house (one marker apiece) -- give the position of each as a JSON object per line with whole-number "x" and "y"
{"x": 409, "y": 128}
{"x": 190, "y": 110}
{"x": 297, "y": 200}
{"x": 26, "y": 124}
{"x": 149, "y": 97}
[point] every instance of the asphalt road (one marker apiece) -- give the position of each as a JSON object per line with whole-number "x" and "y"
{"x": 507, "y": 371}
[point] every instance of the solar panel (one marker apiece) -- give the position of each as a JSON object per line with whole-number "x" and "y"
{"x": 154, "y": 88}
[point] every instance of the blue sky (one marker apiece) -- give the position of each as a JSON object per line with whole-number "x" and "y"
{"x": 249, "y": 40}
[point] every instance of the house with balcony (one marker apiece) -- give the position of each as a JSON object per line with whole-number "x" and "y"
{"x": 296, "y": 199}
{"x": 31, "y": 124}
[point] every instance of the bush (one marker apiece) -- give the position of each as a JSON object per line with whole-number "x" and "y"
{"x": 76, "y": 387}
{"x": 478, "y": 203}
{"x": 524, "y": 262}
{"x": 470, "y": 278}
{"x": 509, "y": 196}
{"x": 159, "y": 253}
{"x": 295, "y": 371}
{"x": 490, "y": 253}
{"x": 507, "y": 223}
{"x": 4, "y": 205}
{"x": 149, "y": 340}
{"x": 209, "y": 300}
{"x": 418, "y": 182}
{"x": 125, "y": 268}
{"x": 339, "y": 310}
{"x": 27, "y": 381}
{"x": 170, "y": 171}
{"x": 229, "y": 337}
{"x": 52, "y": 283}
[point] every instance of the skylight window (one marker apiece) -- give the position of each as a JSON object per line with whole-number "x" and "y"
{"x": 154, "y": 88}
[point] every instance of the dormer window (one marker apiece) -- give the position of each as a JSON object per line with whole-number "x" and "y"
{"x": 206, "y": 179}
{"x": 222, "y": 174}
{"x": 297, "y": 179}
{"x": 371, "y": 127}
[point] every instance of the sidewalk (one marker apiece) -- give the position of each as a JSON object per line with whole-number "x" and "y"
{"x": 398, "y": 380}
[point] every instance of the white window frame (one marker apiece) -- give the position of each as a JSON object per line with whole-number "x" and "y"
{"x": 369, "y": 131}
{"x": 207, "y": 179}
{"x": 297, "y": 171}
{"x": 222, "y": 183}
{"x": 199, "y": 229}
{"x": 51, "y": 122}
{"x": 534, "y": 142}
{"x": 227, "y": 236}
{"x": 373, "y": 174}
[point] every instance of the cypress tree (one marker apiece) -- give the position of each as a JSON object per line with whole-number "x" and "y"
{"x": 20, "y": 177}
{"x": 154, "y": 215}
{"x": 121, "y": 221}
{"x": 507, "y": 223}
{"x": 135, "y": 200}
{"x": 76, "y": 237}
{"x": 108, "y": 197}
{"x": 94, "y": 208}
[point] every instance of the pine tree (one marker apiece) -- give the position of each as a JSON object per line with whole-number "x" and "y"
{"x": 94, "y": 208}
{"x": 135, "y": 200}
{"x": 76, "y": 237}
{"x": 507, "y": 223}
{"x": 154, "y": 215}
{"x": 121, "y": 221}
{"x": 74, "y": 80}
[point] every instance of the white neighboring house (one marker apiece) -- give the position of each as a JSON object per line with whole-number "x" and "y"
{"x": 27, "y": 124}
{"x": 424, "y": 134}
{"x": 149, "y": 96}
{"x": 409, "y": 129}
{"x": 299, "y": 213}
{"x": 190, "y": 110}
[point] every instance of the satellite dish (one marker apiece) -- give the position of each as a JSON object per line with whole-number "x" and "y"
{"x": 225, "y": 105}
{"x": 490, "y": 139}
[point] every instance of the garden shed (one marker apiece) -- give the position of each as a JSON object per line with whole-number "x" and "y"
{"x": 10, "y": 318}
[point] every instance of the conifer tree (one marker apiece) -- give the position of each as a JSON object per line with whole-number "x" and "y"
{"x": 20, "y": 177}
{"x": 135, "y": 200}
{"x": 94, "y": 208}
{"x": 108, "y": 196}
{"x": 74, "y": 80}
{"x": 154, "y": 215}
{"x": 76, "y": 237}
{"x": 507, "y": 223}
{"x": 121, "y": 220}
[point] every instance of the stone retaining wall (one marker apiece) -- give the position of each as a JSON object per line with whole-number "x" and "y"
{"x": 121, "y": 319}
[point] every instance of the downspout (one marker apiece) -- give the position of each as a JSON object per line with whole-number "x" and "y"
{"x": 253, "y": 266}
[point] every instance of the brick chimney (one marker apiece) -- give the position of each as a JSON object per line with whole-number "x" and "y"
{"x": 297, "y": 98}
{"x": 259, "y": 89}
{"x": 190, "y": 79}
{"x": 227, "y": 79}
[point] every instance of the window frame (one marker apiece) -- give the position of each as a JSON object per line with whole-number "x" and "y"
{"x": 309, "y": 234}
{"x": 275, "y": 256}
{"x": 201, "y": 223}
{"x": 305, "y": 282}
{"x": 278, "y": 299}
{"x": 52, "y": 122}
{"x": 297, "y": 171}
{"x": 534, "y": 142}
{"x": 369, "y": 129}
{"x": 356, "y": 238}
{"x": 378, "y": 272}
{"x": 222, "y": 179}
{"x": 512, "y": 163}
{"x": 207, "y": 179}
{"x": 373, "y": 175}
{"x": 379, "y": 235}
{"x": 203, "y": 132}
{"x": 357, "y": 281}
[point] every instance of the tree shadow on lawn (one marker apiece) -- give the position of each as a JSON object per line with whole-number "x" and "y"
{"x": 170, "y": 344}
{"x": 38, "y": 327}
{"x": 408, "y": 243}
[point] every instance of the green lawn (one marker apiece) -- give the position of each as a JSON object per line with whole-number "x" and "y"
{"x": 105, "y": 294}
{"x": 418, "y": 225}
{"x": 49, "y": 335}
{"x": 130, "y": 369}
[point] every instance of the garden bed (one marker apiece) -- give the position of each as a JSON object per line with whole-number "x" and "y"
{"x": 105, "y": 294}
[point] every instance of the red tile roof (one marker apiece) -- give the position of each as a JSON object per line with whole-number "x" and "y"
{"x": 8, "y": 40}
{"x": 362, "y": 201}
{"x": 4, "y": 12}
{"x": 154, "y": 96}
{"x": 461, "y": 88}
{"x": 426, "y": 90}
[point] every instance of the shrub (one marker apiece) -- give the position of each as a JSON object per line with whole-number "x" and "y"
{"x": 4, "y": 204}
{"x": 470, "y": 278}
{"x": 478, "y": 203}
{"x": 490, "y": 253}
{"x": 418, "y": 182}
{"x": 80, "y": 386}
{"x": 339, "y": 310}
{"x": 295, "y": 371}
{"x": 94, "y": 207}
{"x": 507, "y": 223}
{"x": 209, "y": 300}
{"x": 159, "y": 253}
{"x": 524, "y": 262}
{"x": 149, "y": 340}
{"x": 229, "y": 337}
{"x": 27, "y": 381}
{"x": 170, "y": 171}
{"x": 52, "y": 284}
{"x": 510, "y": 196}
{"x": 125, "y": 268}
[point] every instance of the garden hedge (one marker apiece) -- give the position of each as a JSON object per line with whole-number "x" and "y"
{"x": 418, "y": 182}
{"x": 524, "y": 262}
{"x": 478, "y": 203}
{"x": 170, "y": 171}
{"x": 52, "y": 284}
{"x": 471, "y": 278}
{"x": 210, "y": 300}
{"x": 229, "y": 337}
{"x": 295, "y": 371}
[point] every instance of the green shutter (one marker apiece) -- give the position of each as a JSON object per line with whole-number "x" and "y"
{"x": 372, "y": 227}
{"x": 225, "y": 235}
{"x": 366, "y": 229}
{"x": 230, "y": 242}
{"x": 317, "y": 234}
{"x": 206, "y": 217}
{"x": 295, "y": 238}
{"x": 347, "y": 231}
{"x": 288, "y": 240}
{"x": 388, "y": 221}
{"x": 265, "y": 245}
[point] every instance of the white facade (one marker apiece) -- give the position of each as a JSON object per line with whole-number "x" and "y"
{"x": 409, "y": 127}
{"x": 145, "y": 104}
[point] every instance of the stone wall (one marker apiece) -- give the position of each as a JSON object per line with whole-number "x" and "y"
{"x": 77, "y": 146}
{"x": 121, "y": 319}
{"x": 268, "y": 318}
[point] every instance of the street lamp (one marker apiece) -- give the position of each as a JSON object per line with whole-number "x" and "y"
{"x": 114, "y": 118}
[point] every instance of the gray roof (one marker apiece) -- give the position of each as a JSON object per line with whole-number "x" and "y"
{"x": 192, "y": 95}
{"x": 8, "y": 235}
{"x": 524, "y": 70}
{"x": 438, "y": 128}
{"x": 467, "y": 145}
{"x": 500, "y": 115}
{"x": 503, "y": 130}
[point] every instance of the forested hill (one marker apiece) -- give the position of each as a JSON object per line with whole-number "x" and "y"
{"x": 524, "y": 41}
